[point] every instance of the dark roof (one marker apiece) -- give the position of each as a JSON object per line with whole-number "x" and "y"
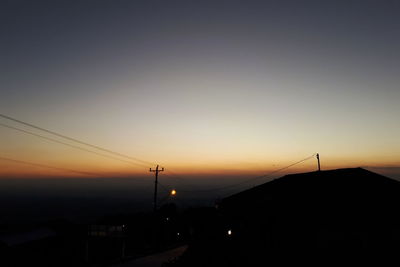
{"x": 351, "y": 178}
{"x": 340, "y": 193}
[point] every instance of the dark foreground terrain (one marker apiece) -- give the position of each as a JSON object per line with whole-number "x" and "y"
{"x": 338, "y": 217}
{"x": 319, "y": 218}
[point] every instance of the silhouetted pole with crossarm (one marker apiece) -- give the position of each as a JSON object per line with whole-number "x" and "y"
{"x": 156, "y": 171}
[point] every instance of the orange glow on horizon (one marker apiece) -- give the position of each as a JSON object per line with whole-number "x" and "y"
{"x": 87, "y": 169}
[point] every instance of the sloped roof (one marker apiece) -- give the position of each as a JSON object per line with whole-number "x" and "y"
{"x": 351, "y": 178}
{"x": 350, "y": 193}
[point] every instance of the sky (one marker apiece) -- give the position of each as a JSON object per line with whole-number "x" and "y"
{"x": 203, "y": 88}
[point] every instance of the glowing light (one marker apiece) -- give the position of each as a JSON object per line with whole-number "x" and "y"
{"x": 173, "y": 192}
{"x": 229, "y": 232}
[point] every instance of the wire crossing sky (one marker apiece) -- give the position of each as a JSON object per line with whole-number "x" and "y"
{"x": 201, "y": 87}
{"x": 70, "y": 139}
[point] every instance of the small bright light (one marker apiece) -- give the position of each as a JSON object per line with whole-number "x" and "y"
{"x": 173, "y": 192}
{"x": 229, "y": 232}
{"x": 178, "y": 234}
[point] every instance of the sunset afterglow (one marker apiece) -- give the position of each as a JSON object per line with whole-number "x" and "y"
{"x": 212, "y": 90}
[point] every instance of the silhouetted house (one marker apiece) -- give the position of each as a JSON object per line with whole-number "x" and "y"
{"x": 317, "y": 217}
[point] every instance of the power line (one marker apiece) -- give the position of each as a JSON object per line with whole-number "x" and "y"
{"x": 177, "y": 177}
{"x": 75, "y": 140}
{"x": 70, "y": 145}
{"x": 48, "y": 167}
{"x": 250, "y": 179}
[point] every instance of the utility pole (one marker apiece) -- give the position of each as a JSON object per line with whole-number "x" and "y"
{"x": 156, "y": 171}
{"x": 319, "y": 166}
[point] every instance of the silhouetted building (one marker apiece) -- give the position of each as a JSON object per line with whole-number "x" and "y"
{"x": 336, "y": 216}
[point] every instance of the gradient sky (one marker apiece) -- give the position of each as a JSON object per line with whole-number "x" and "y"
{"x": 202, "y": 87}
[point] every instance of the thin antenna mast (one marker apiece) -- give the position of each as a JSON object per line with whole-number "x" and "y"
{"x": 319, "y": 165}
